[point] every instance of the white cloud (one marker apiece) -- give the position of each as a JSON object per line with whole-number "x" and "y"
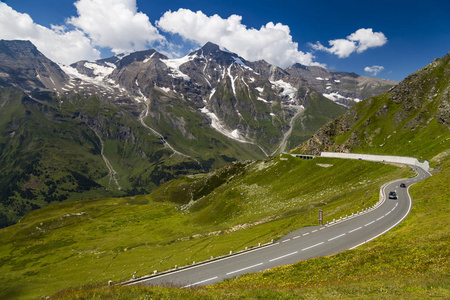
{"x": 271, "y": 42}
{"x": 56, "y": 42}
{"x": 116, "y": 24}
{"x": 374, "y": 70}
{"x": 359, "y": 41}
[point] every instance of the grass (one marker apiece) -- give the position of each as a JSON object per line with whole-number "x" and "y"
{"x": 95, "y": 241}
{"x": 409, "y": 262}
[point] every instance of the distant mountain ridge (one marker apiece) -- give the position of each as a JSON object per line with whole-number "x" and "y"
{"x": 126, "y": 124}
{"x": 412, "y": 118}
{"x": 23, "y": 66}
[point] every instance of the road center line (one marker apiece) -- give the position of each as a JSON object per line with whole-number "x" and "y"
{"x": 312, "y": 246}
{"x": 369, "y": 223}
{"x": 314, "y": 230}
{"x": 295, "y": 237}
{"x": 286, "y": 241}
{"x": 283, "y": 256}
{"x": 243, "y": 269}
{"x": 305, "y": 233}
{"x": 355, "y": 229}
{"x": 380, "y": 218}
{"x": 200, "y": 282}
{"x": 336, "y": 237}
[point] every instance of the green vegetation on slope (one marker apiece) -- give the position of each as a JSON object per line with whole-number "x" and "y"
{"x": 409, "y": 262}
{"x": 51, "y": 151}
{"x": 412, "y": 119}
{"x": 183, "y": 221}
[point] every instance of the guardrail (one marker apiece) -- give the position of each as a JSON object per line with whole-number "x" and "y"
{"x": 380, "y": 158}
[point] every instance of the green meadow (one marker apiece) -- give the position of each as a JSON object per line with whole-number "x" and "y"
{"x": 186, "y": 220}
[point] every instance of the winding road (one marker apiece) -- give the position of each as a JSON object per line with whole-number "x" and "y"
{"x": 343, "y": 234}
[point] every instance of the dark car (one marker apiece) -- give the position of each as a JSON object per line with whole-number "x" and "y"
{"x": 402, "y": 185}
{"x": 392, "y": 195}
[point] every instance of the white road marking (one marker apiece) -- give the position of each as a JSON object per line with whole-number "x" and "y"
{"x": 355, "y": 229}
{"x": 314, "y": 231}
{"x": 200, "y": 282}
{"x": 243, "y": 269}
{"x": 202, "y": 265}
{"x": 286, "y": 241}
{"x": 312, "y": 246}
{"x": 336, "y": 237}
{"x": 380, "y": 218}
{"x": 283, "y": 256}
{"x": 369, "y": 223}
{"x": 305, "y": 233}
{"x": 295, "y": 237}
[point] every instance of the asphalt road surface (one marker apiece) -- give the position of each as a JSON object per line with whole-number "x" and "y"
{"x": 347, "y": 233}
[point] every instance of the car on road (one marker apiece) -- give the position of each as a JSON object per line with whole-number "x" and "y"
{"x": 402, "y": 185}
{"x": 392, "y": 195}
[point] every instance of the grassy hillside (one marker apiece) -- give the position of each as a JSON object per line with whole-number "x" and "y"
{"x": 186, "y": 220}
{"x": 409, "y": 262}
{"x": 191, "y": 219}
{"x": 51, "y": 151}
{"x": 412, "y": 119}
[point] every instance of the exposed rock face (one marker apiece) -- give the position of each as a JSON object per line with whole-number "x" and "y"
{"x": 251, "y": 103}
{"x": 411, "y": 106}
{"x": 342, "y": 87}
{"x": 126, "y": 124}
{"x": 23, "y": 66}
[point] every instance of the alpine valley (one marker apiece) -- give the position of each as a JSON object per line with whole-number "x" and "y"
{"x": 125, "y": 125}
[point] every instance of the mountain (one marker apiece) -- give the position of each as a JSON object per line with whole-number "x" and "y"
{"x": 24, "y": 67}
{"x": 242, "y": 204}
{"x": 412, "y": 119}
{"x": 342, "y": 87}
{"x": 126, "y": 124}
{"x": 223, "y": 89}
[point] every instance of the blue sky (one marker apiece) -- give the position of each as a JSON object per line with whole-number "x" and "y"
{"x": 385, "y": 39}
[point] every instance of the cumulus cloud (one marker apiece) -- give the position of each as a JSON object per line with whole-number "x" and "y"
{"x": 374, "y": 69}
{"x": 359, "y": 41}
{"x": 57, "y": 43}
{"x": 115, "y": 24}
{"x": 272, "y": 42}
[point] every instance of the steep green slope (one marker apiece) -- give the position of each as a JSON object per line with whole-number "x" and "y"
{"x": 412, "y": 119}
{"x": 66, "y": 148}
{"x": 410, "y": 261}
{"x": 185, "y": 220}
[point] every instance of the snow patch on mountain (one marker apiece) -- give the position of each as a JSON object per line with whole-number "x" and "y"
{"x": 164, "y": 89}
{"x": 218, "y": 126}
{"x": 232, "y": 80}
{"x": 239, "y": 61}
{"x": 287, "y": 89}
{"x": 99, "y": 70}
{"x": 263, "y": 100}
{"x": 212, "y": 93}
{"x": 73, "y": 73}
{"x": 335, "y": 96}
{"x": 174, "y": 66}
{"x": 149, "y": 58}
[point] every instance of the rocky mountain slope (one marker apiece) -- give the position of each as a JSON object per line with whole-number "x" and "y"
{"x": 24, "y": 67}
{"x": 412, "y": 118}
{"x": 196, "y": 217}
{"x": 341, "y": 87}
{"x": 126, "y": 124}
